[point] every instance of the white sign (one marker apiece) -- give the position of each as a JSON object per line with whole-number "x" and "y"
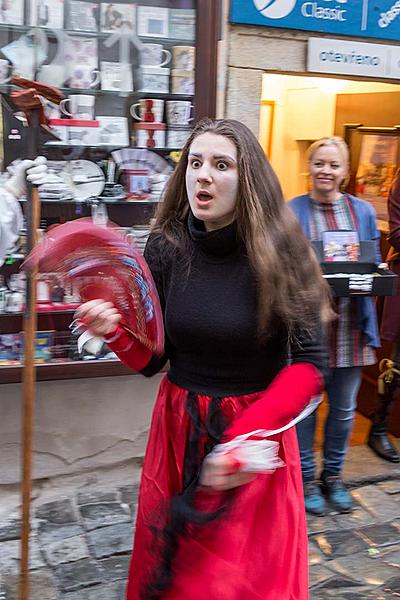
{"x": 342, "y": 57}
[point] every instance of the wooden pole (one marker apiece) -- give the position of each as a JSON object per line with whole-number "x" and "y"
{"x": 29, "y": 373}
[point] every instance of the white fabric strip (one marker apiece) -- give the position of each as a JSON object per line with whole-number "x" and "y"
{"x": 261, "y": 456}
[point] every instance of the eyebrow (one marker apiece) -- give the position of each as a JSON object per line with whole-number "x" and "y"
{"x": 216, "y": 156}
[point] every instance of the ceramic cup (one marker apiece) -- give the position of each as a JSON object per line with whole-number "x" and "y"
{"x": 178, "y": 112}
{"x": 155, "y": 79}
{"x": 184, "y": 57}
{"x": 183, "y": 82}
{"x": 81, "y": 107}
{"x": 52, "y": 75}
{"x": 148, "y": 109}
{"x": 5, "y": 71}
{"x": 84, "y": 77}
{"x": 154, "y": 55}
{"x": 177, "y": 136}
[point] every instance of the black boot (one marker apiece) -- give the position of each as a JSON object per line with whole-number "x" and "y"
{"x": 378, "y": 440}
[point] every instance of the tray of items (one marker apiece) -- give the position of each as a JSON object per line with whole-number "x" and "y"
{"x": 350, "y": 267}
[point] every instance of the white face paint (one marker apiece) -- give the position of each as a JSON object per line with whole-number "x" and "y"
{"x": 212, "y": 180}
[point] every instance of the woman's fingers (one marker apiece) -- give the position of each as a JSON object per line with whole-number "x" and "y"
{"x": 99, "y": 316}
{"x": 221, "y": 473}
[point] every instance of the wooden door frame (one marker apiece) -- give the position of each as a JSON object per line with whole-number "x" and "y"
{"x": 208, "y": 33}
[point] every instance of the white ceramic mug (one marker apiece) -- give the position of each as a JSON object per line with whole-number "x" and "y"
{"x": 84, "y": 77}
{"x": 5, "y": 70}
{"x": 176, "y": 137}
{"x": 183, "y": 82}
{"x": 155, "y": 79}
{"x": 154, "y": 55}
{"x": 52, "y": 75}
{"x": 178, "y": 112}
{"x": 143, "y": 136}
{"x": 184, "y": 57}
{"x": 81, "y": 106}
{"x": 138, "y": 110}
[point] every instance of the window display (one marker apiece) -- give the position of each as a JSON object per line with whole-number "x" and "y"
{"x": 127, "y": 70}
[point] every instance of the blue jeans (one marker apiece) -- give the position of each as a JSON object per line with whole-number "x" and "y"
{"x": 342, "y": 389}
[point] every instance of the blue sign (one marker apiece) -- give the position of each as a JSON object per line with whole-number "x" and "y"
{"x": 366, "y": 18}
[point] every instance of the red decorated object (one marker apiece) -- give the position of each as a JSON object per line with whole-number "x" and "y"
{"x": 103, "y": 264}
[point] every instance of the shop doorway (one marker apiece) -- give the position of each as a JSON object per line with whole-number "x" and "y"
{"x": 297, "y": 110}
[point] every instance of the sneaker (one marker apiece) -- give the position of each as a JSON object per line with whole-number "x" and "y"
{"x": 313, "y": 500}
{"x": 334, "y": 489}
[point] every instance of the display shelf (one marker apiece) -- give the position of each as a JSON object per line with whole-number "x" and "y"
{"x": 108, "y": 148}
{"x": 67, "y": 370}
{"x": 52, "y": 32}
{"x": 89, "y": 202}
{"x": 41, "y": 311}
{"x": 57, "y": 321}
{"x": 7, "y": 87}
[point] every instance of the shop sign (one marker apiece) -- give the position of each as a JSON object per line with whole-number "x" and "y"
{"x": 344, "y": 57}
{"x": 367, "y": 18}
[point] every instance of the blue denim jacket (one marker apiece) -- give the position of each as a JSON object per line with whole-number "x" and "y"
{"x": 367, "y": 230}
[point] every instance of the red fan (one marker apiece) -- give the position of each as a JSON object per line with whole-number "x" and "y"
{"x": 104, "y": 265}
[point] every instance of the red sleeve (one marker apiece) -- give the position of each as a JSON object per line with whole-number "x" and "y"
{"x": 289, "y": 393}
{"x": 129, "y": 350}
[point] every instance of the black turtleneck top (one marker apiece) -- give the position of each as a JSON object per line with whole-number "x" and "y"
{"x": 210, "y": 312}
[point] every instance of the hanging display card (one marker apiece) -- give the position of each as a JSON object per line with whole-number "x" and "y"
{"x": 376, "y": 169}
{"x": 47, "y": 13}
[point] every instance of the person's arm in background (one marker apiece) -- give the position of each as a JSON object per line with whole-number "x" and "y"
{"x": 35, "y": 171}
{"x": 394, "y": 213}
{"x": 375, "y": 234}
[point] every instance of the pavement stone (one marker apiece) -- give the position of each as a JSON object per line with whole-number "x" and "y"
{"x": 96, "y": 497}
{"x": 110, "y": 591}
{"x": 340, "y": 543}
{"x": 59, "y": 512}
{"x": 65, "y": 551}
{"x": 318, "y": 574}
{"x": 10, "y": 530}
{"x": 321, "y": 524}
{"x": 80, "y": 574}
{"x": 354, "y": 520}
{"x": 48, "y": 533}
{"x": 365, "y": 570}
{"x": 10, "y": 553}
{"x": 381, "y": 505}
{"x": 380, "y": 535}
{"x": 102, "y": 515}
{"x": 81, "y": 546}
{"x": 42, "y": 585}
{"x": 115, "y": 567}
{"x": 390, "y": 487}
{"x": 115, "y": 539}
{"x": 129, "y": 493}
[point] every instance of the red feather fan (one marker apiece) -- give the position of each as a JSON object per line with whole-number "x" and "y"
{"x": 104, "y": 265}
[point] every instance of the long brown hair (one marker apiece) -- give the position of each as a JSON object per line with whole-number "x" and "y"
{"x": 290, "y": 283}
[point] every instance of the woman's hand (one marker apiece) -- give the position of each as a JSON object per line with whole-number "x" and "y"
{"x": 100, "y": 317}
{"x": 221, "y": 473}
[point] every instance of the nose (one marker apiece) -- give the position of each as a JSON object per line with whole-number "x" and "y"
{"x": 204, "y": 173}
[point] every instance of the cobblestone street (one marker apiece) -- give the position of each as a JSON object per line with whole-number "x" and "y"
{"x": 81, "y": 544}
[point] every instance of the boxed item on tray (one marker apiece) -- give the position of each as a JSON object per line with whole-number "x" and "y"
{"x": 351, "y": 270}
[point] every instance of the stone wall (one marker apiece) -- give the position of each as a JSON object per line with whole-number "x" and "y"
{"x": 81, "y": 425}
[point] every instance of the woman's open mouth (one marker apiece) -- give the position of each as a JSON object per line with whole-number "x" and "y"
{"x": 203, "y": 198}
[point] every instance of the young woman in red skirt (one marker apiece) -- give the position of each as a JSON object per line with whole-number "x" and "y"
{"x": 221, "y": 512}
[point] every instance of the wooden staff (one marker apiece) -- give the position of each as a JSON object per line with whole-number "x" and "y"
{"x": 29, "y": 369}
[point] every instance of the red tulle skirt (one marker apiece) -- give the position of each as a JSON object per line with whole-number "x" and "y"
{"x": 257, "y": 549}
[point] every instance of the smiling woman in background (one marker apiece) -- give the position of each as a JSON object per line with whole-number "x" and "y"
{"x": 354, "y": 334}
